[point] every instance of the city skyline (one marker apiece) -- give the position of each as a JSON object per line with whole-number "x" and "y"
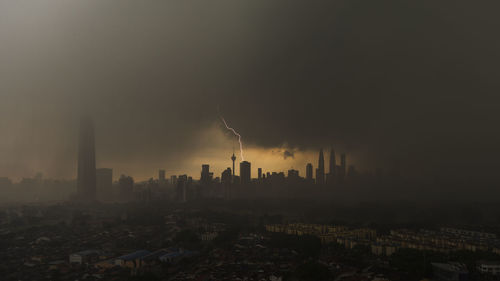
{"x": 277, "y": 140}
{"x": 217, "y": 155}
{"x": 385, "y": 93}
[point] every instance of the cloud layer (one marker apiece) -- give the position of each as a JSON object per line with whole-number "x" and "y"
{"x": 406, "y": 85}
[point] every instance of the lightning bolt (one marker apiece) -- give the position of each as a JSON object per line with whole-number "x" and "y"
{"x": 236, "y": 134}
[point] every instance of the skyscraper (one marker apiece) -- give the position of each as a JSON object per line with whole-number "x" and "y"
{"x": 226, "y": 181}
{"x": 309, "y": 172}
{"x": 86, "y": 181}
{"x": 245, "y": 172}
{"x": 226, "y": 177}
{"x": 173, "y": 180}
{"x": 206, "y": 176}
{"x": 259, "y": 172}
{"x": 181, "y": 188}
{"x": 320, "y": 171}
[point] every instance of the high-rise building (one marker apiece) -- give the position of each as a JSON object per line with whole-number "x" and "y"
{"x": 181, "y": 188}
{"x": 104, "y": 183}
{"x": 259, "y": 172}
{"x": 226, "y": 181}
{"x": 173, "y": 180}
{"x": 309, "y": 172}
{"x": 86, "y": 181}
{"x": 320, "y": 171}
{"x": 206, "y": 176}
{"x": 161, "y": 177}
{"x": 245, "y": 172}
{"x": 226, "y": 177}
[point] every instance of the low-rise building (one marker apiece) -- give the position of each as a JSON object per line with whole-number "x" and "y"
{"x": 132, "y": 260}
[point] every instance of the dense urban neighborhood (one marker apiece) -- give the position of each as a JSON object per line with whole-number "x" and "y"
{"x": 151, "y": 242}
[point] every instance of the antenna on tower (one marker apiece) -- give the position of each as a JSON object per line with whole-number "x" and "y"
{"x": 233, "y": 158}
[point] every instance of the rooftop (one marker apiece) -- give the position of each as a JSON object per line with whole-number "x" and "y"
{"x": 134, "y": 255}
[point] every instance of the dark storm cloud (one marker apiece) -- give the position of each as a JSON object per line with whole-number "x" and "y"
{"x": 288, "y": 154}
{"x": 403, "y": 84}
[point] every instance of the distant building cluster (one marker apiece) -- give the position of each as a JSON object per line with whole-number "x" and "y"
{"x": 230, "y": 185}
{"x": 445, "y": 240}
{"x": 343, "y": 235}
{"x": 336, "y": 173}
{"x": 97, "y": 184}
{"x": 143, "y": 259}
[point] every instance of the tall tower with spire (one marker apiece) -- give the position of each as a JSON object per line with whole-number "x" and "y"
{"x": 320, "y": 171}
{"x": 233, "y": 158}
{"x": 86, "y": 182}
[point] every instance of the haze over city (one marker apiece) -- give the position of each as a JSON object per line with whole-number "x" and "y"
{"x": 400, "y": 85}
{"x": 249, "y": 140}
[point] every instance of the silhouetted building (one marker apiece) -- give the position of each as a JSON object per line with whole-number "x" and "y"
{"x": 276, "y": 179}
{"x": 309, "y": 172}
{"x": 320, "y": 171}
{"x": 206, "y": 176}
{"x": 293, "y": 173}
{"x": 226, "y": 177}
{"x": 173, "y": 180}
{"x": 86, "y": 181}
{"x": 161, "y": 177}
{"x": 259, "y": 172}
{"x": 245, "y": 176}
{"x": 293, "y": 176}
{"x": 226, "y": 181}
{"x": 104, "y": 183}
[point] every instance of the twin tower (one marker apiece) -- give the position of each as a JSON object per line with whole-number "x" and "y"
{"x": 336, "y": 172}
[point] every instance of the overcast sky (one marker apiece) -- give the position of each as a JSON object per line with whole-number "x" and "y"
{"x": 411, "y": 85}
